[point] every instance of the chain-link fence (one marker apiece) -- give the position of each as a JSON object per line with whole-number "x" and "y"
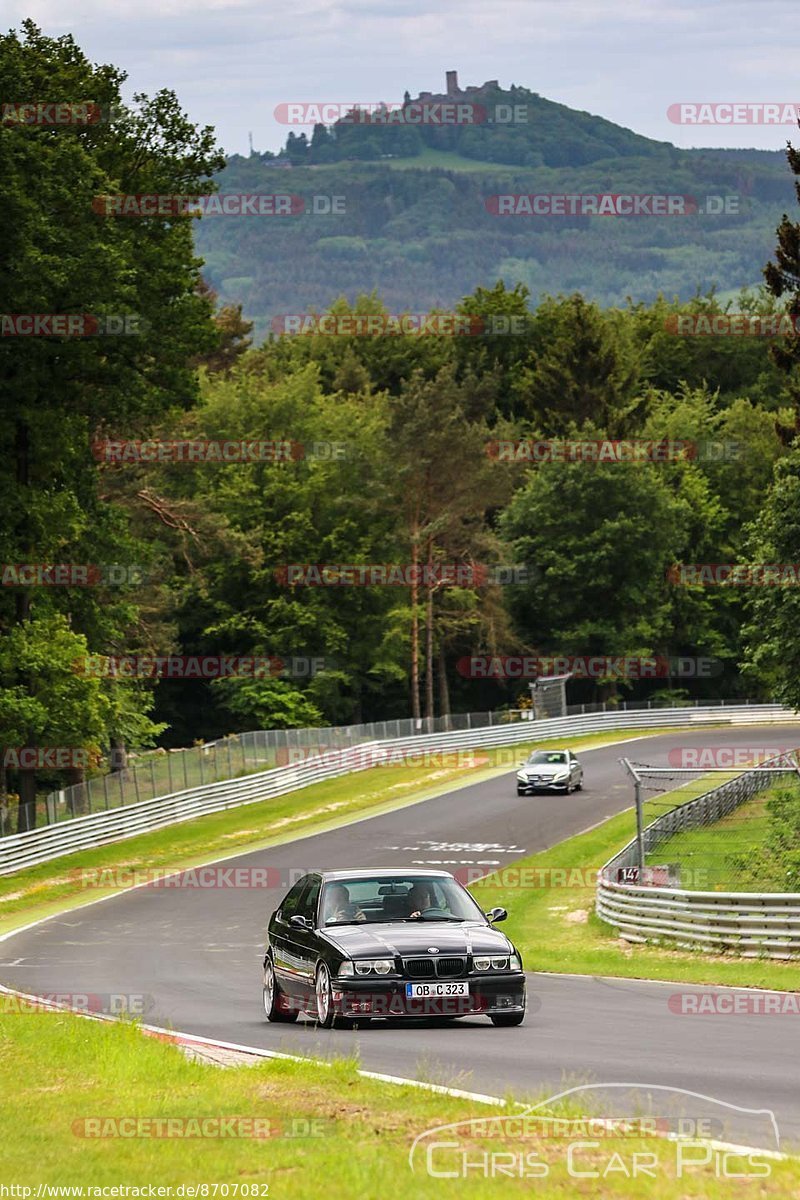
{"x": 742, "y": 835}
{"x": 162, "y": 772}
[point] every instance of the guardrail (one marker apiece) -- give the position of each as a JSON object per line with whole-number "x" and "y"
{"x": 40, "y": 845}
{"x": 754, "y": 924}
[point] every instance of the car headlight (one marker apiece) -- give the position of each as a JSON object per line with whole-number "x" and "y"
{"x": 515, "y": 963}
{"x": 560, "y": 776}
{"x": 346, "y": 969}
{"x": 500, "y": 964}
{"x": 521, "y": 775}
{"x": 381, "y": 966}
{"x": 482, "y": 964}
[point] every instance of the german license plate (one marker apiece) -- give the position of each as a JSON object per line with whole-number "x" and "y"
{"x": 416, "y": 990}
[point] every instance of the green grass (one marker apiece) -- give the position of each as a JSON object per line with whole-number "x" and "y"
{"x": 449, "y": 161}
{"x": 329, "y": 1132}
{"x": 41, "y": 891}
{"x": 428, "y": 158}
{"x": 552, "y": 919}
{"x": 704, "y": 854}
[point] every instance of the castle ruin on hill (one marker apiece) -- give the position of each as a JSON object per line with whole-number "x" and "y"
{"x": 452, "y": 89}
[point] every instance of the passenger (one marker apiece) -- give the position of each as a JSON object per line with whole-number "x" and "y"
{"x": 339, "y": 907}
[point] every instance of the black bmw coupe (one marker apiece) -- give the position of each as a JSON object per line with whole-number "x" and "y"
{"x": 348, "y": 946}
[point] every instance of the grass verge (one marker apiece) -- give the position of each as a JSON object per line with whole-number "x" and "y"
{"x": 733, "y": 854}
{"x": 57, "y": 886}
{"x": 550, "y": 900}
{"x": 324, "y": 1131}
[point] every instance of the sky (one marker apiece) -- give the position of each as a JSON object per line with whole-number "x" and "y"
{"x": 232, "y": 62}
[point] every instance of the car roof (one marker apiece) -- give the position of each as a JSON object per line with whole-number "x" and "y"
{"x": 380, "y": 873}
{"x": 550, "y": 750}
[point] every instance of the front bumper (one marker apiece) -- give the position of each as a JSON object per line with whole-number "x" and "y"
{"x": 500, "y": 993}
{"x": 544, "y": 785}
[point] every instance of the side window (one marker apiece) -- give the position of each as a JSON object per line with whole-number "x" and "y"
{"x": 308, "y": 901}
{"x": 289, "y": 908}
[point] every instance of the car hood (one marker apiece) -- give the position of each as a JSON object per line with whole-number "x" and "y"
{"x": 544, "y": 768}
{"x": 417, "y": 937}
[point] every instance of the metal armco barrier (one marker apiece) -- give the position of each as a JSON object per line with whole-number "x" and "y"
{"x": 751, "y": 924}
{"x": 51, "y": 841}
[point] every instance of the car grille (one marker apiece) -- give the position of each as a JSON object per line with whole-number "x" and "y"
{"x": 429, "y": 968}
{"x": 419, "y": 968}
{"x": 451, "y": 966}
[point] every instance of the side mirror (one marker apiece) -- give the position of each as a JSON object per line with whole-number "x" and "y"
{"x": 297, "y": 922}
{"x": 496, "y": 914}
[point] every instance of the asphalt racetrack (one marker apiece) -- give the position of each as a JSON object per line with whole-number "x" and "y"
{"x": 197, "y": 953}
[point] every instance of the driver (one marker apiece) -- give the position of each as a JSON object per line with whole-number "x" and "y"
{"x": 339, "y": 907}
{"x": 420, "y": 898}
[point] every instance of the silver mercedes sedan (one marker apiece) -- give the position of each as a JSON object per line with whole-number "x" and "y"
{"x": 550, "y": 771}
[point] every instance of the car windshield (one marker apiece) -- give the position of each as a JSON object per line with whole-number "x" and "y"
{"x": 396, "y": 898}
{"x": 548, "y": 756}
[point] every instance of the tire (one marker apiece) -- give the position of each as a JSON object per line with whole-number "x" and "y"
{"x": 520, "y": 791}
{"x": 579, "y": 786}
{"x": 504, "y": 1020}
{"x": 272, "y": 997}
{"x": 322, "y": 990}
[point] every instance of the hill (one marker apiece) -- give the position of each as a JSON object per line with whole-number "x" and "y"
{"x": 412, "y": 213}
{"x": 513, "y": 125}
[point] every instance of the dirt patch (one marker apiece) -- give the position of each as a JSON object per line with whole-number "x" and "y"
{"x": 578, "y": 916}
